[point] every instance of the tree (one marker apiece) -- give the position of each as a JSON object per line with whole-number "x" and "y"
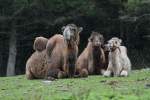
{"x": 12, "y": 52}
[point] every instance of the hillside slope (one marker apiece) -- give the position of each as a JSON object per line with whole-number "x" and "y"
{"x": 134, "y": 87}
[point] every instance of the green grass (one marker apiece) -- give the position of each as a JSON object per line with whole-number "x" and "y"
{"x": 134, "y": 87}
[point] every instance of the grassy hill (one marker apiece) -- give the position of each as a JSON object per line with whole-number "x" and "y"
{"x": 134, "y": 87}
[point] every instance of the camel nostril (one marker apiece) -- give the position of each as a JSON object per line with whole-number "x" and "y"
{"x": 98, "y": 43}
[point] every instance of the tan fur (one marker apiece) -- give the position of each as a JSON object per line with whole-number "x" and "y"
{"x": 55, "y": 51}
{"x": 119, "y": 63}
{"x": 49, "y": 61}
{"x": 40, "y": 43}
{"x": 59, "y": 57}
{"x": 58, "y": 54}
{"x": 86, "y": 62}
{"x": 36, "y": 65}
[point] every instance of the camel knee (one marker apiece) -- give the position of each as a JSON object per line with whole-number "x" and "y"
{"x": 29, "y": 75}
{"x": 107, "y": 73}
{"x": 84, "y": 73}
{"x": 62, "y": 74}
{"x": 102, "y": 71}
{"x": 124, "y": 73}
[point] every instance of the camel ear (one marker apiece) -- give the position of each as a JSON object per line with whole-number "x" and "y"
{"x": 80, "y": 29}
{"x": 90, "y": 39}
{"x": 120, "y": 41}
{"x": 63, "y": 28}
{"x": 102, "y": 39}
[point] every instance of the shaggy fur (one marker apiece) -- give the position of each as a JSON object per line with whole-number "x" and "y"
{"x": 62, "y": 51}
{"x": 106, "y": 52}
{"x": 40, "y": 43}
{"x": 36, "y": 66}
{"x": 119, "y": 63}
{"x": 92, "y": 59}
{"x": 59, "y": 57}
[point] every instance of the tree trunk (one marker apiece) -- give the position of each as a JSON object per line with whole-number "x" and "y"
{"x": 12, "y": 54}
{"x": 1, "y": 60}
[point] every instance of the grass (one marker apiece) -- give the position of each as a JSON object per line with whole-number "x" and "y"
{"x": 134, "y": 87}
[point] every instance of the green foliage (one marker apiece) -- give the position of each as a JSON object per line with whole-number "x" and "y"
{"x": 134, "y": 87}
{"x": 20, "y": 3}
{"x": 132, "y": 4}
{"x": 137, "y": 7}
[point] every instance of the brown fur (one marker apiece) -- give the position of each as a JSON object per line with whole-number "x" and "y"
{"x": 92, "y": 59}
{"x": 40, "y": 43}
{"x": 62, "y": 51}
{"x": 106, "y": 51}
{"x": 48, "y": 62}
{"x": 59, "y": 57}
{"x": 36, "y": 65}
{"x": 55, "y": 55}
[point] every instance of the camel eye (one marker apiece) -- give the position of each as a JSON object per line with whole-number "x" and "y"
{"x": 91, "y": 39}
{"x": 73, "y": 29}
{"x": 100, "y": 38}
{"x": 115, "y": 42}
